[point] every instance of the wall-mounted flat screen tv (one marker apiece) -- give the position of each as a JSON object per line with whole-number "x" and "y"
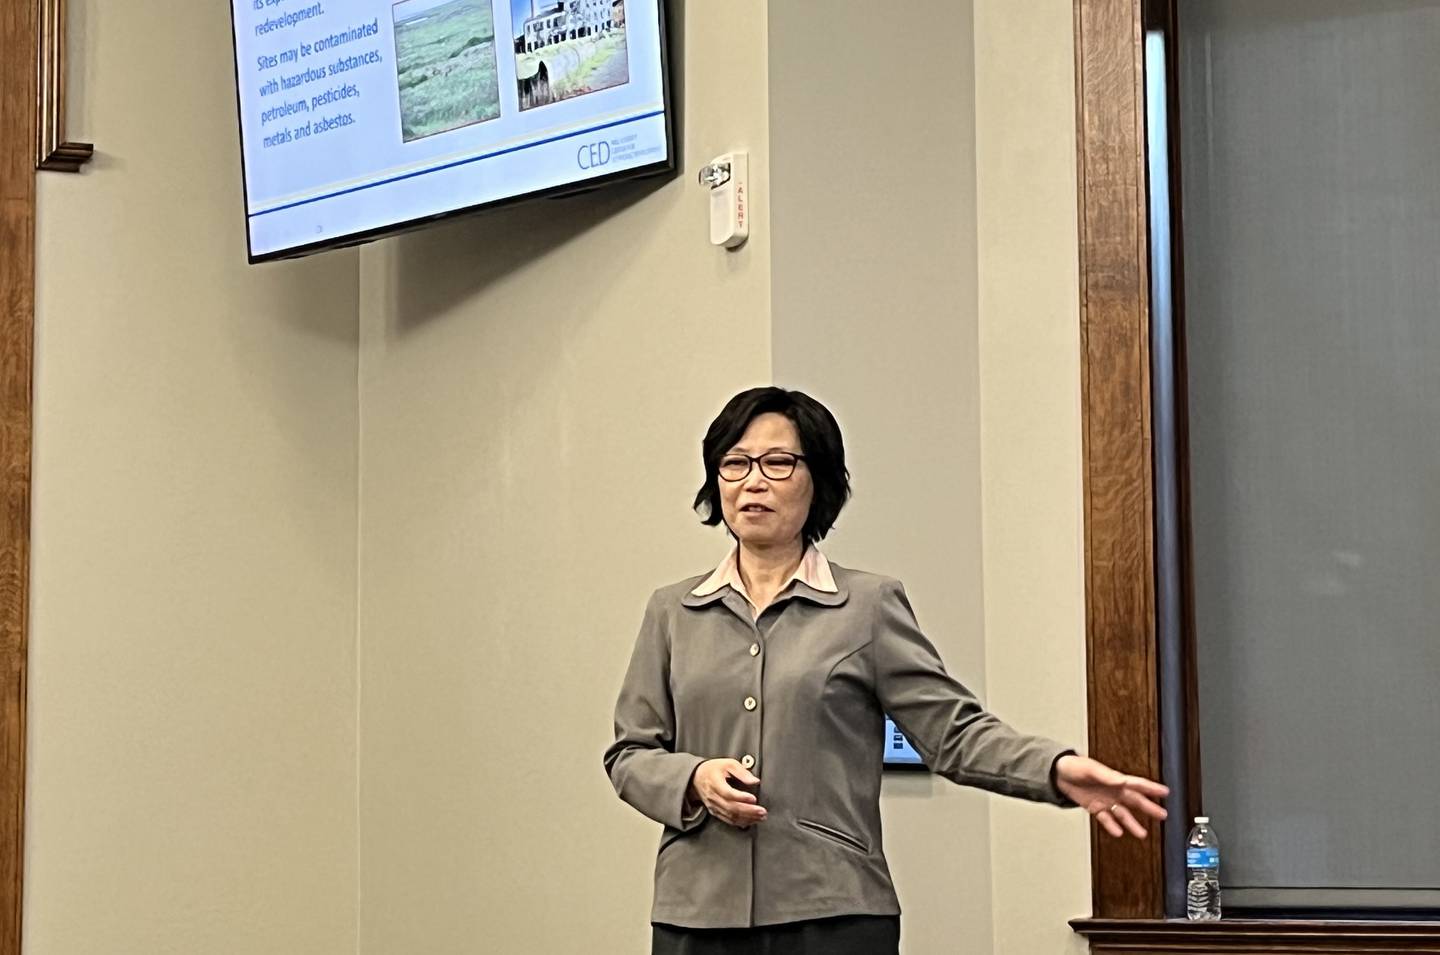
{"x": 899, "y": 754}
{"x": 360, "y": 118}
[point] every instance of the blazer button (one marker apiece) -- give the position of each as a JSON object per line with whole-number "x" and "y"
{"x": 747, "y": 761}
{"x": 754, "y": 649}
{"x": 750, "y": 703}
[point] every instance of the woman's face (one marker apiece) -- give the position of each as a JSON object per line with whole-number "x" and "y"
{"x": 761, "y": 511}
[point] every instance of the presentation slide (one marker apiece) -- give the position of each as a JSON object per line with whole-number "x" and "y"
{"x": 357, "y": 115}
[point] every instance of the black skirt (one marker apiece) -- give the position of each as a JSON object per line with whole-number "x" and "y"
{"x": 846, "y": 935}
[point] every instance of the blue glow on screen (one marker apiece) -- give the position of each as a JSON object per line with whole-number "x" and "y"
{"x": 898, "y": 751}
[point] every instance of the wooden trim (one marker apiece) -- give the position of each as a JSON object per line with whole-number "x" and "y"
{"x": 1161, "y": 937}
{"x": 17, "y": 311}
{"x": 52, "y": 150}
{"x": 1115, "y": 381}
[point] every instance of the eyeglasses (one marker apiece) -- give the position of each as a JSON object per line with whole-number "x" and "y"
{"x": 777, "y": 465}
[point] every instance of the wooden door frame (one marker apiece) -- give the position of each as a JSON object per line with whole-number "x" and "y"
{"x": 18, "y": 138}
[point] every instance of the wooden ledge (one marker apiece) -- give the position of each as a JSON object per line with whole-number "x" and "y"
{"x": 1165, "y": 936}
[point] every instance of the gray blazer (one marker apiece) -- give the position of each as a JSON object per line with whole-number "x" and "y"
{"x": 802, "y": 692}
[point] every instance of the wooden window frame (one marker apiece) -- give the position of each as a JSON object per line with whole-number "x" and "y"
{"x": 1119, "y": 505}
{"x": 19, "y": 40}
{"x": 32, "y": 136}
{"x": 52, "y": 150}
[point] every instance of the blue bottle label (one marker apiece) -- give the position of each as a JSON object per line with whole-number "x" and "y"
{"x": 1202, "y": 858}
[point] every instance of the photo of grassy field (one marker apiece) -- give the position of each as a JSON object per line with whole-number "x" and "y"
{"x": 445, "y": 65}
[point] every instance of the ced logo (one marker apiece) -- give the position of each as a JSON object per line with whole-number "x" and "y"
{"x": 593, "y": 155}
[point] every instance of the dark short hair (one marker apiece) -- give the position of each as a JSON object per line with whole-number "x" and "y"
{"x": 820, "y": 442}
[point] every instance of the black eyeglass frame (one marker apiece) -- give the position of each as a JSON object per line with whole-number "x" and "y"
{"x": 752, "y": 461}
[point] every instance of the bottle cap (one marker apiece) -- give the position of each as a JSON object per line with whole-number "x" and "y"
{"x": 1202, "y": 820}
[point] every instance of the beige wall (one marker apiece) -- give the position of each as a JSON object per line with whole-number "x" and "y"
{"x": 924, "y": 285}
{"x": 1030, "y": 446}
{"x": 191, "y": 716}
{"x": 525, "y": 420}
{"x": 874, "y": 278}
{"x": 534, "y": 386}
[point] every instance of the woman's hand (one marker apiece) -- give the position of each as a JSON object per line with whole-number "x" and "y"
{"x": 1113, "y": 798}
{"x": 711, "y": 786}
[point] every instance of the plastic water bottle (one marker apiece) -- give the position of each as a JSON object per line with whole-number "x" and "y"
{"x": 1202, "y": 872}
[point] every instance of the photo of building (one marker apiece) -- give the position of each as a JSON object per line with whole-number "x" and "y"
{"x": 566, "y": 48}
{"x": 568, "y": 20}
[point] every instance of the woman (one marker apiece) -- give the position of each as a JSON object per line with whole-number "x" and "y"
{"x": 780, "y": 666}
